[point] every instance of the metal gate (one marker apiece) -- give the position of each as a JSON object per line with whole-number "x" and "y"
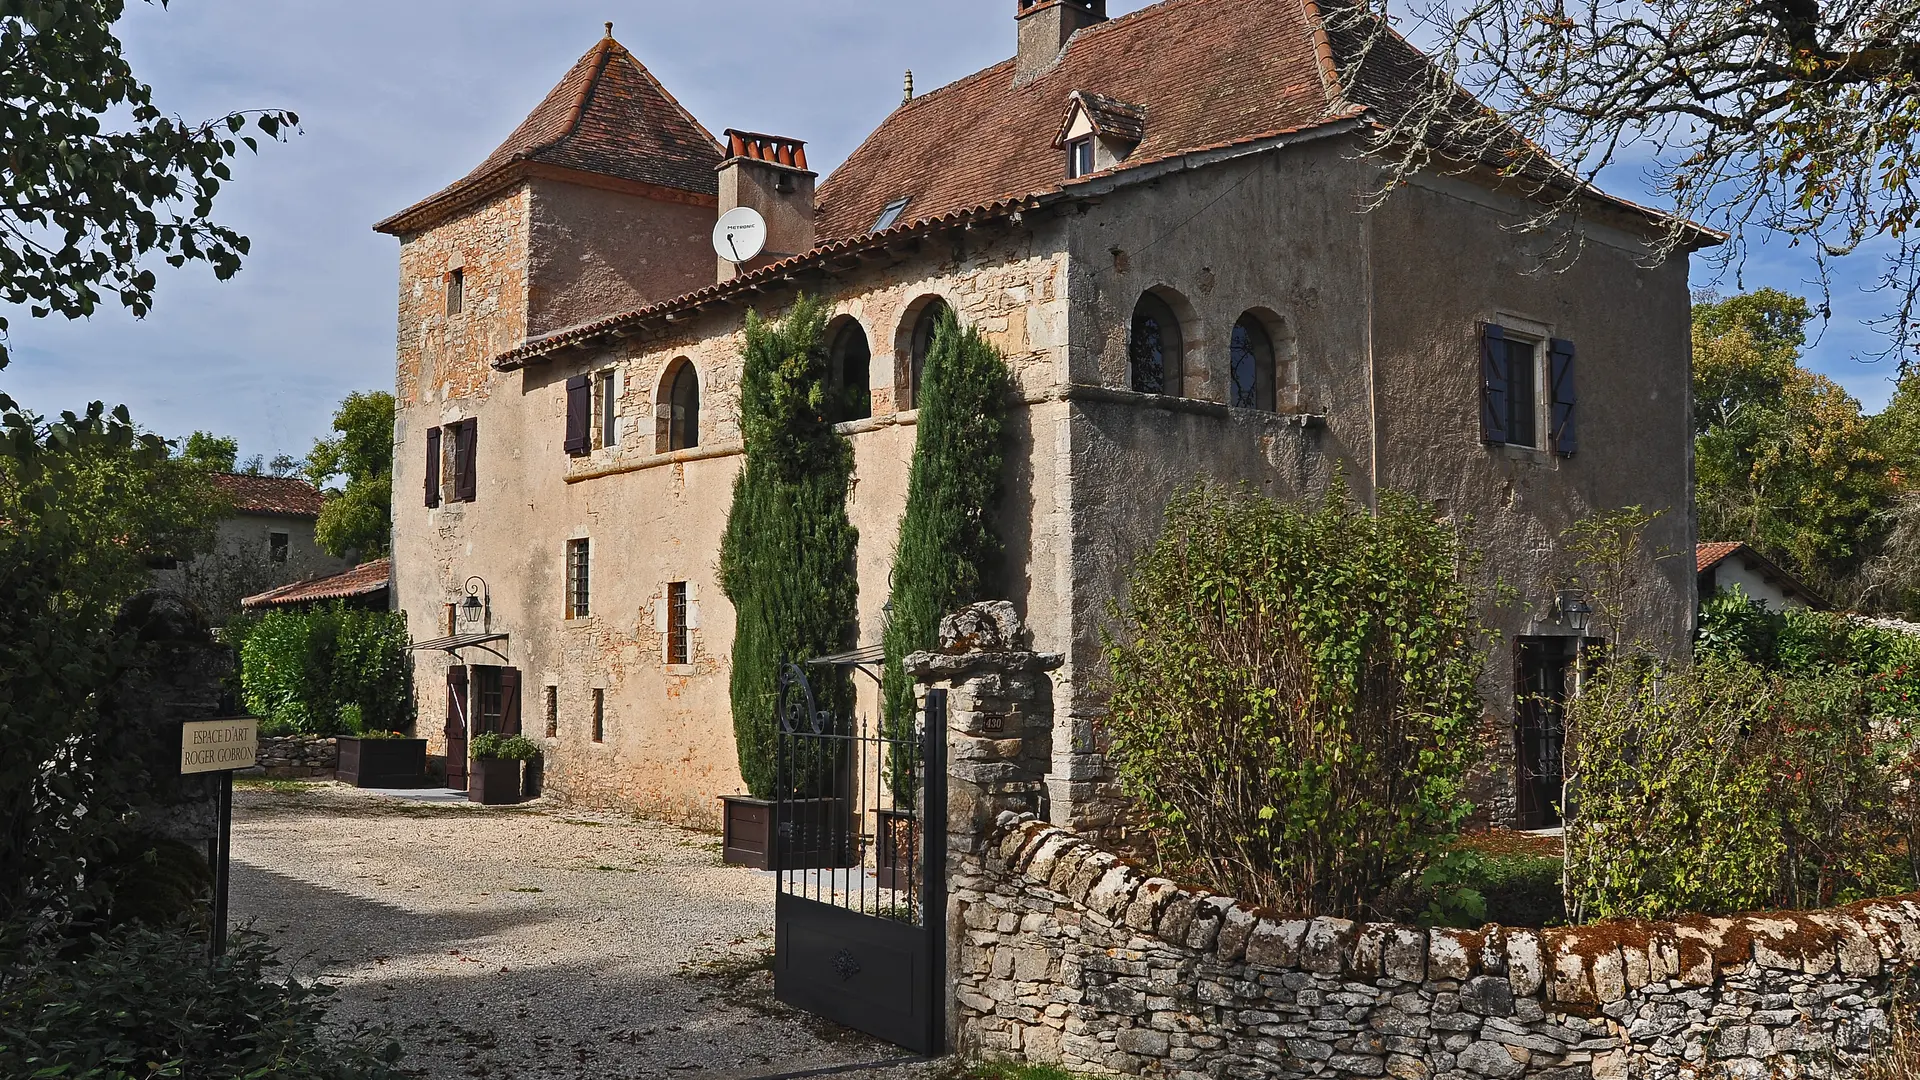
{"x": 859, "y": 915}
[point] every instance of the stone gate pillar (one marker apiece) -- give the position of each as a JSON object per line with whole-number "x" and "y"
{"x": 999, "y": 744}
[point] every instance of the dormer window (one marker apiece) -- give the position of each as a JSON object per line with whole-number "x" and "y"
{"x": 1098, "y": 132}
{"x": 1079, "y": 157}
{"x": 891, "y": 215}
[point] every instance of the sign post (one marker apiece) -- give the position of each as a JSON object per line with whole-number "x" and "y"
{"x": 220, "y": 746}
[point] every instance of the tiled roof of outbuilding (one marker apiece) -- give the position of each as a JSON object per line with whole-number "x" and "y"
{"x": 1706, "y": 556}
{"x": 363, "y": 580}
{"x": 281, "y": 495}
{"x": 609, "y": 116}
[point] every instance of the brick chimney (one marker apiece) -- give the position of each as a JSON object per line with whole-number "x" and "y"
{"x": 769, "y": 174}
{"x": 1045, "y": 26}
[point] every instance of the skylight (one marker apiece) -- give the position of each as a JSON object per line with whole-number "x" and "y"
{"x": 891, "y": 214}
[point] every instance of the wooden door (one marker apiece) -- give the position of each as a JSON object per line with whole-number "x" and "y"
{"x": 456, "y": 729}
{"x": 1540, "y": 693}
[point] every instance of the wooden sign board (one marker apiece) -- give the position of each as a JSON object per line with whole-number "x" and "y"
{"x": 219, "y": 745}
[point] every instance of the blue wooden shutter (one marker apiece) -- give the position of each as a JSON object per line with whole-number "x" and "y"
{"x": 433, "y": 466}
{"x": 1494, "y": 384}
{"x": 579, "y": 415}
{"x": 1560, "y": 371}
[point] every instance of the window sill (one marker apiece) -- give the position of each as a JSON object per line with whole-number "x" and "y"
{"x": 682, "y": 669}
{"x": 1528, "y": 454}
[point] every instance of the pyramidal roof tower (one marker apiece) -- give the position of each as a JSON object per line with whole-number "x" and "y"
{"x": 609, "y": 119}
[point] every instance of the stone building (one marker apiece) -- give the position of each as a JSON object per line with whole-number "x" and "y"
{"x": 1158, "y": 218}
{"x": 268, "y": 541}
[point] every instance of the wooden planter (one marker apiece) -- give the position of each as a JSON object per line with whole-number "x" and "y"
{"x": 493, "y": 782}
{"x": 381, "y": 763}
{"x": 896, "y": 850}
{"x": 818, "y": 837}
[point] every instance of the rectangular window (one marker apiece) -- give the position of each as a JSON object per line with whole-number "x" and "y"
{"x": 599, "y": 715}
{"x": 489, "y": 700}
{"x": 609, "y": 386}
{"x": 679, "y": 638}
{"x": 1080, "y": 157}
{"x": 579, "y": 593}
{"x": 456, "y": 291}
{"x": 433, "y": 466}
{"x": 1523, "y": 393}
{"x": 278, "y": 544}
{"x": 891, "y": 215}
{"x": 465, "y": 437}
{"x": 551, "y": 705}
{"x": 1510, "y": 387}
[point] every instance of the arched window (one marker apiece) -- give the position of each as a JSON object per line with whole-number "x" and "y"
{"x": 678, "y": 418}
{"x": 1253, "y": 371}
{"x": 849, "y": 359}
{"x": 1154, "y": 348}
{"x": 921, "y": 344}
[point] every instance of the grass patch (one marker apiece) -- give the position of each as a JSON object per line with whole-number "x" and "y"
{"x": 278, "y": 787}
{"x": 1000, "y": 1070}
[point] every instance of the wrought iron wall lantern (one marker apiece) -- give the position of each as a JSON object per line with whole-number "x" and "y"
{"x": 1570, "y": 606}
{"x": 479, "y": 601}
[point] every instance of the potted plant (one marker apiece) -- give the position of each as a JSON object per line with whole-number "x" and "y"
{"x": 381, "y": 759}
{"x": 494, "y": 779}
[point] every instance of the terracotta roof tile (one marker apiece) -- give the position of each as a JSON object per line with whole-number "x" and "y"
{"x": 1110, "y": 118}
{"x": 363, "y": 580}
{"x": 1706, "y": 556}
{"x": 609, "y": 116}
{"x": 282, "y": 495}
{"x": 1205, "y": 72}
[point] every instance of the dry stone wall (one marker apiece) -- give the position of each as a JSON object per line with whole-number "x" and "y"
{"x": 296, "y": 757}
{"x": 1066, "y": 954}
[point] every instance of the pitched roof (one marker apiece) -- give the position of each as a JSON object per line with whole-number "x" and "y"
{"x": 363, "y": 580}
{"x": 1207, "y": 72}
{"x": 608, "y": 116}
{"x": 1109, "y": 118}
{"x": 1706, "y": 556}
{"x": 1710, "y": 554}
{"x": 283, "y": 495}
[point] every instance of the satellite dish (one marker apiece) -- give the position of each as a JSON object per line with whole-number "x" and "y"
{"x": 740, "y": 234}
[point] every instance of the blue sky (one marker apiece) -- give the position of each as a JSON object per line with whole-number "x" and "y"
{"x": 398, "y": 99}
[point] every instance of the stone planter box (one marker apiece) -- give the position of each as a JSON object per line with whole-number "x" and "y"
{"x": 493, "y": 782}
{"x": 817, "y": 838}
{"x": 382, "y": 763}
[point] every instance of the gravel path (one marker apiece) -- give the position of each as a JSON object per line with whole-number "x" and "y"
{"x": 532, "y": 942}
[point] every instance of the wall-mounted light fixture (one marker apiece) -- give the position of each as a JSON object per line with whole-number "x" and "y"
{"x": 1570, "y": 606}
{"x": 479, "y": 600}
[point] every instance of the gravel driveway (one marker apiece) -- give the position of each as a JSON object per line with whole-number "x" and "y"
{"x": 531, "y": 941}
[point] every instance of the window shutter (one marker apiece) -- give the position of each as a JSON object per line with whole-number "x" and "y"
{"x": 579, "y": 415}
{"x": 1562, "y": 431}
{"x": 433, "y": 466}
{"x": 510, "y": 701}
{"x": 466, "y": 482}
{"x": 456, "y": 729}
{"x": 1493, "y": 383}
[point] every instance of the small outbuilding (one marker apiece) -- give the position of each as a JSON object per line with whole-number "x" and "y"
{"x": 365, "y": 586}
{"x": 1725, "y": 564}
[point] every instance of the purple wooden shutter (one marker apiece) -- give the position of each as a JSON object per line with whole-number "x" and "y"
{"x": 1493, "y": 383}
{"x": 510, "y": 701}
{"x": 433, "y": 466}
{"x": 466, "y": 484}
{"x": 456, "y": 729}
{"x": 579, "y": 415}
{"x": 1560, "y": 371}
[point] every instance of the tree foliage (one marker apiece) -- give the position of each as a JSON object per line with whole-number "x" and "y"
{"x": 358, "y": 514}
{"x": 947, "y": 543}
{"x": 213, "y": 453}
{"x": 787, "y": 557}
{"x": 1797, "y": 119}
{"x": 82, "y": 205}
{"x": 1784, "y": 458}
{"x": 328, "y": 671}
{"x": 1294, "y": 699}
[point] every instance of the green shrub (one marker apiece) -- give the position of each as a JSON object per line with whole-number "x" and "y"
{"x": 1293, "y": 695}
{"x": 947, "y": 541}
{"x": 327, "y": 671}
{"x": 494, "y": 746}
{"x": 1719, "y": 787}
{"x": 787, "y": 558}
{"x": 1468, "y": 888}
{"x": 144, "y": 1003}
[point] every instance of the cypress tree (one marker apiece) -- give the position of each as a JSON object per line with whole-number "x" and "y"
{"x": 787, "y": 558}
{"x": 947, "y": 545}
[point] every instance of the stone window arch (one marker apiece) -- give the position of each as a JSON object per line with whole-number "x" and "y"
{"x": 1251, "y": 372}
{"x": 1156, "y": 350}
{"x": 916, "y": 338}
{"x": 677, "y": 409}
{"x": 849, "y": 368}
